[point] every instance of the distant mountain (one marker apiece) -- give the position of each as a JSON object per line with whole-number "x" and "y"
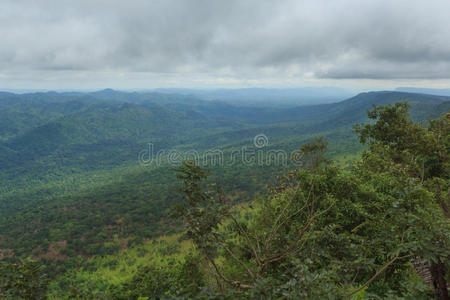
{"x": 43, "y": 122}
{"x": 422, "y": 106}
{"x": 267, "y": 96}
{"x": 99, "y": 136}
{"x": 20, "y": 113}
{"x": 106, "y": 128}
{"x": 439, "y": 92}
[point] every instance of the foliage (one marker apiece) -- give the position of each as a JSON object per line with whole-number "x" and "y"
{"x": 407, "y": 150}
{"x": 73, "y": 176}
{"x": 99, "y": 276}
{"x": 70, "y": 188}
{"x": 174, "y": 279}
{"x": 23, "y": 281}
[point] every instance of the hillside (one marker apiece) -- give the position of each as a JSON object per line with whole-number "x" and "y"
{"x": 73, "y": 175}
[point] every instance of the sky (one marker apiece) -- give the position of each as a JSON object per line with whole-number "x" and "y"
{"x": 359, "y": 44}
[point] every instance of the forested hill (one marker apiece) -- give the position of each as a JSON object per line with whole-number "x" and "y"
{"x": 46, "y": 133}
{"x": 89, "y": 131}
{"x": 69, "y": 173}
{"x": 354, "y": 109}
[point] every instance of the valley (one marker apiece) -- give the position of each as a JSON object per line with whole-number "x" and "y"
{"x": 73, "y": 189}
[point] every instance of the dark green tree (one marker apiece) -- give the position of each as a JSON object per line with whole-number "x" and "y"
{"x": 405, "y": 149}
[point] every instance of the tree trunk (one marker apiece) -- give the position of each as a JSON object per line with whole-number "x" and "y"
{"x": 439, "y": 282}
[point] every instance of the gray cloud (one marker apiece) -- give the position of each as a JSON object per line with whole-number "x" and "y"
{"x": 242, "y": 39}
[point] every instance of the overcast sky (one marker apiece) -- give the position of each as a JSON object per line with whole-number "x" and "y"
{"x": 207, "y": 43}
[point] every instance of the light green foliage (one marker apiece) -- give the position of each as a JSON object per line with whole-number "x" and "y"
{"x": 102, "y": 275}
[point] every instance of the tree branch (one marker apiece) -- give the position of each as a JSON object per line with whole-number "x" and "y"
{"x": 297, "y": 240}
{"x": 231, "y": 282}
{"x": 257, "y": 257}
{"x": 275, "y": 227}
{"x": 252, "y": 275}
{"x": 376, "y": 274}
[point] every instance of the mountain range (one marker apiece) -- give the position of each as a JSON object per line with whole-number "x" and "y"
{"x": 70, "y": 174}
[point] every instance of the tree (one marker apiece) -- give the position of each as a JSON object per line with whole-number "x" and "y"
{"x": 408, "y": 150}
{"x": 321, "y": 232}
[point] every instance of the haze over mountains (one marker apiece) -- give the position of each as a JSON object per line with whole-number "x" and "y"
{"x": 438, "y": 92}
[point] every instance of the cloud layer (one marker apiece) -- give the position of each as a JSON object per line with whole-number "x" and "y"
{"x": 210, "y": 40}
